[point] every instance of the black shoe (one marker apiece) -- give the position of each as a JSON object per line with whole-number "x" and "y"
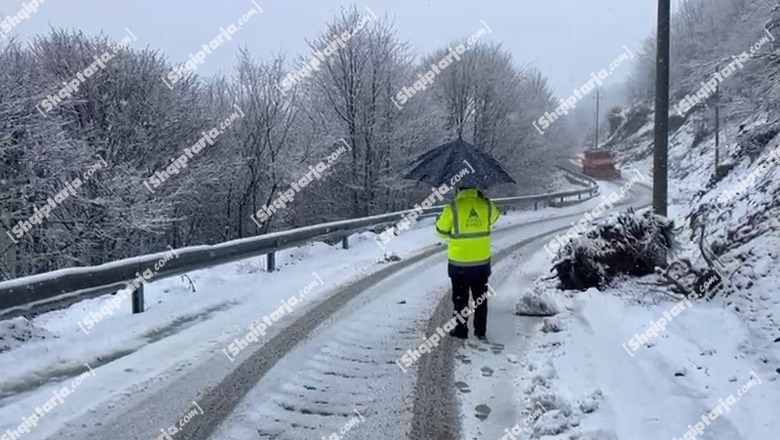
{"x": 460, "y": 335}
{"x": 481, "y": 337}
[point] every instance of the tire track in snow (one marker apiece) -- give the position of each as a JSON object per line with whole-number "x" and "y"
{"x": 145, "y": 419}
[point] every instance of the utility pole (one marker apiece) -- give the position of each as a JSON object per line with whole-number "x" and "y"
{"x": 596, "y": 142}
{"x": 661, "y": 135}
{"x": 717, "y": 123}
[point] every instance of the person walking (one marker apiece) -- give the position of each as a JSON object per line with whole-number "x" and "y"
{"x": 465, "y": 224}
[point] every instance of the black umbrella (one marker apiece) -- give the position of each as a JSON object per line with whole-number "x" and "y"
{"x": 477, "y": 168}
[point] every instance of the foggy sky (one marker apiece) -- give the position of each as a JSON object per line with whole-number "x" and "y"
{"x": 565, "y": 39}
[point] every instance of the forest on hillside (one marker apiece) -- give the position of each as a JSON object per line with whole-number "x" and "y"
{"x": 128, "y": 118}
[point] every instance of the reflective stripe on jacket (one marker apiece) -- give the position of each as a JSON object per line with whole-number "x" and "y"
{"x": 465, "y": 223}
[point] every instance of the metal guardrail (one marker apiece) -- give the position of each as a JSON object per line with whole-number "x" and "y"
{"x": 43, "y": 292}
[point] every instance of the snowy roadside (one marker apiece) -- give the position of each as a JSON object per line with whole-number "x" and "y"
{"x": 601, "y": 373}
{"x": 179, "y": 328}
{"x": 594, "y": 389}
{"x": 575, "y": 367}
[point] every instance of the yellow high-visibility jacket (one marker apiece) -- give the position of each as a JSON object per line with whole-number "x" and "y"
{"x": 465, "y": 224}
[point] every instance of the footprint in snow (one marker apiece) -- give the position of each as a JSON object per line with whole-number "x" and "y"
{"x": 463, "y": 358}
{"x": 482, "y": 412}
{"x": 487, "y": 371}
{"x": 463, "y": 387}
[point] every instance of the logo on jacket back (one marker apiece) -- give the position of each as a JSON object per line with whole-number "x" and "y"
{"x": 473, "y": 219}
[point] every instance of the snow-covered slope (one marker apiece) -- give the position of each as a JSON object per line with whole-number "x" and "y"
{"x": 589, "y": 370}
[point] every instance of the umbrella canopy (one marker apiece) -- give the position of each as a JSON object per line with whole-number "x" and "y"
{"x": 444, "y": 162}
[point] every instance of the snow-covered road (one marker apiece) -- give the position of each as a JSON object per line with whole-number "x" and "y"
{"x": 333, "y": 354}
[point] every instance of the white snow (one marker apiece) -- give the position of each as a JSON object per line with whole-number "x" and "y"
{"x": 180, "y": 329}
{"x": 592, "y": 388}
{"x": 598, "y": 389}
{"x": 572, "y": 365}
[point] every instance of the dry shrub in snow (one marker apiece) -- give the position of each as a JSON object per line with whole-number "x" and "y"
{"x": 629, "y": 243}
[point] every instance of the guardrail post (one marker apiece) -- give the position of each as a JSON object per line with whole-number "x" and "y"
{"x": 271, "y": 261}
{"x": 345, "y": 242}
{"x": 138, "y": 299}
{"x": 579, "y": 196}
{"x": 536, "y": 206}
{"x": 561, "y": 199}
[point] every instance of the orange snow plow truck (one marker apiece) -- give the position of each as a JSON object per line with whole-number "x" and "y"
{"x": 599, "y": 164}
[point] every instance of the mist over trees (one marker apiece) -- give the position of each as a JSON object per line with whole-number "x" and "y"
{"x": 704, "y": 36}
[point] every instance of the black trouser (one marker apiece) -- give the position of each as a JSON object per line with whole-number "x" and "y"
{"x": 474, "y": 279}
